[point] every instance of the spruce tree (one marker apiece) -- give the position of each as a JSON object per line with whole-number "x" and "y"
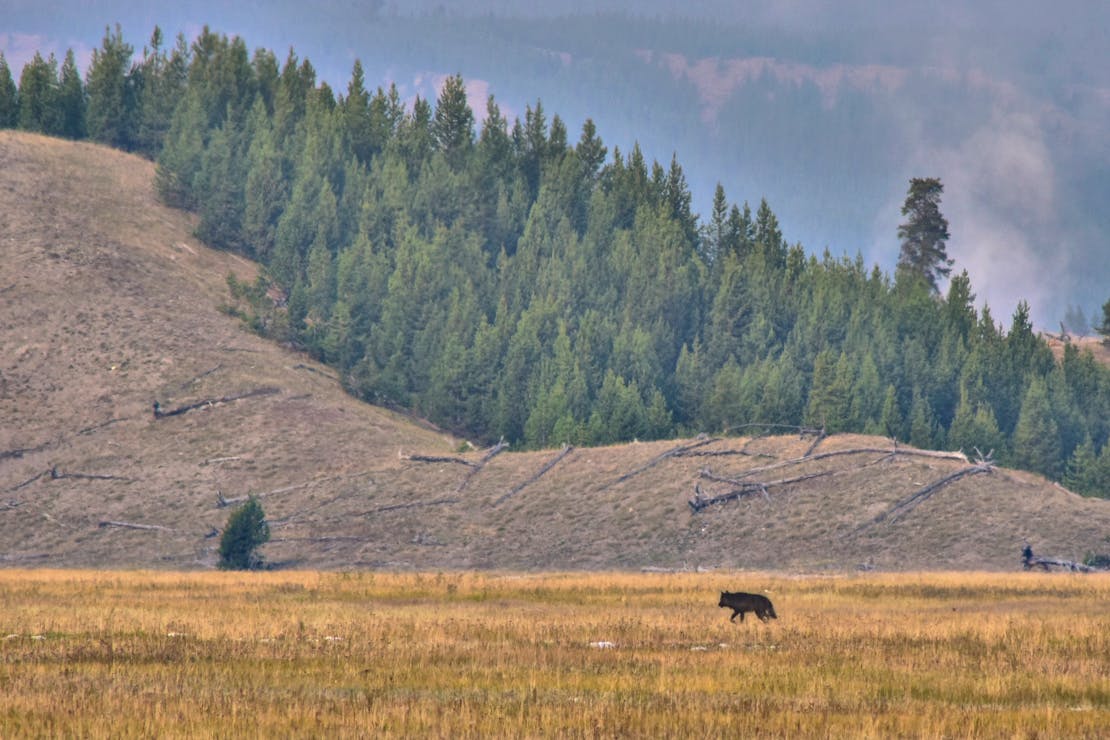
{"x": 245, "y": 532}
{"x": 453, "y": 124}
{"x": 1037, "y": 437}
{"x": 1104, "y": 326}
{"x": 71, "y": 100}
{"x": 38, "y": 94}
{"x": 924, "y": 234}
{"x": 112, "y": 97}
{"x": 9, "y": 98}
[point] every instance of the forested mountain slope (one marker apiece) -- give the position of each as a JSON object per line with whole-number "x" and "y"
{"x": 503, "y": 281}
{"x": 108, "y": 304}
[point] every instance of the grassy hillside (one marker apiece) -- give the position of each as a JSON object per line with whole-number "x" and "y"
{"x": 107, "y": 304}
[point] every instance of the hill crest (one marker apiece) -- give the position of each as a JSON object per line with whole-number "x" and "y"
{"x": 107, "y": 304}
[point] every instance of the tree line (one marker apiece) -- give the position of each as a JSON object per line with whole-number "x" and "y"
{"x": 505, "y": 279}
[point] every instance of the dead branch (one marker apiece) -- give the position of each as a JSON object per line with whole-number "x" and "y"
{"x": 132, "y": 525}
{"x": 222, "y": 502}
{"x": 497, "y": 449}
{"x": 29, "y": 481}
{"x": 539, "y": 474}
{"x": 214, "y": 460}
{"x": 19, "y": 452}
{"x": 820, "y": 437}
{"x": 910, "y": 502}
{"x": 264, "y": 391}
{"x": 56, "y": 474}
{"x": 1049, "y": 563}
{"x": 661, "y": 457}
{"x": 189, "y": 382}
{"x": 413, "y": 505}
{"x": 94, "y": 427}
{"x": 439, "y": 459}
{"x": 302, "y": 366}
{"x": 894, "y": 452}
{"x": 745, "y": 489}
{"x": 721, "y": 453}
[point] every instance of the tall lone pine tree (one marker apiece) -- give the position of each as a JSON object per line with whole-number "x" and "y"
{"x": 925, "y": 233}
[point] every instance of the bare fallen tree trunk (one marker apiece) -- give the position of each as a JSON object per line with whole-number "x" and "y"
{"x": 497, "y": 449}
{"x": 29, "y": 481}
{"x": 745, "y": 489}
{"x": 19, "y": 452}
{"x": 222, "y": 502}
{"x": 1049, "y": 563}
{"x": 439, "y": 459}
{"x": 892, "y": 452}
{"x": 206, "y": 373}
{"x": 673, "y": 452}
{"x": 265, "y": 391}
{"x": 413, "y": 505}
{"x": 132, "y": 525}
{"x": 819, "y": 438}
{"x": 910, "y": 502}
{"x": 547, "y": 466}
{"x": 56, "y": 474}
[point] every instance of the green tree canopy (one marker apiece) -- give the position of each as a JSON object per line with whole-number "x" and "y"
{"x": 245, "y": 532}
{"x": 924, "y": 234}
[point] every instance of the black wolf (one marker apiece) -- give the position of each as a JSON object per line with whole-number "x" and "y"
{"x": 741, "y": 602}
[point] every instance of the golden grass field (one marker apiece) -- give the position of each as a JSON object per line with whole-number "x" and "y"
{"x": 464, "y": 654}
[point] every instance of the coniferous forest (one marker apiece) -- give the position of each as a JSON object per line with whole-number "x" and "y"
{"x": 516, "y": 279}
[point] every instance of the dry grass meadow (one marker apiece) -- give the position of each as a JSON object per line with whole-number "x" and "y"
{"x": 465, "y": 654}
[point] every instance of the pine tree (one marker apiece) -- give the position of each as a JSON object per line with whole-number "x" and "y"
{"x": 1036, "y": 444}
{"x": 38, "y": 94}
{"x": 1082, "y": 472}
{"x": 453, "y": 124}
{"x": 164, "y": 78}
{"x": 9, "y": 96}
{"x": 182, "y": 154}
{"x": 245, "y": 532}
{"x": 71, "y": 100}
{"x": 1104, "y": 326}
{"x": 357, "y": 122}
{"x": 112, "y": 97}
{"x": 924, "y": 234}
{"x": 266, "y": 189}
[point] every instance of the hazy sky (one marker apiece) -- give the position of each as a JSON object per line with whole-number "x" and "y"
{"x": 1007, "y": 101}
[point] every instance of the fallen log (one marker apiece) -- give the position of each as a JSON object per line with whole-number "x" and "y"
{"x": 820, "y": 437}
{"x": 673, "y": 452}
{"x": 159, "y": 413}
{"x": 413, "y": 505}
{"x": 206, "y": 373}
{"x": 56, "y": 474}
{"x": 910, "y": 502}
{"x": 19, "y": 452}
{"x": 547, "y": 466}
{"x": 29, "y": 481}
{"x": 1048, "y": 563}
{"x": 497, "y": 449}
{"x": 886, "y": 452}
{"x": 745, "y": 489}
{"x": 439, "y": 459}
{"x": 133, "y": 525}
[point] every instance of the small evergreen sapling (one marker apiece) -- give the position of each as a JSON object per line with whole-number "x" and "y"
{"x": 246, "y": 530}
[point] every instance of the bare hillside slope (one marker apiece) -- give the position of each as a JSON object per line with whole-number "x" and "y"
{"x": 107, "y": 304}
